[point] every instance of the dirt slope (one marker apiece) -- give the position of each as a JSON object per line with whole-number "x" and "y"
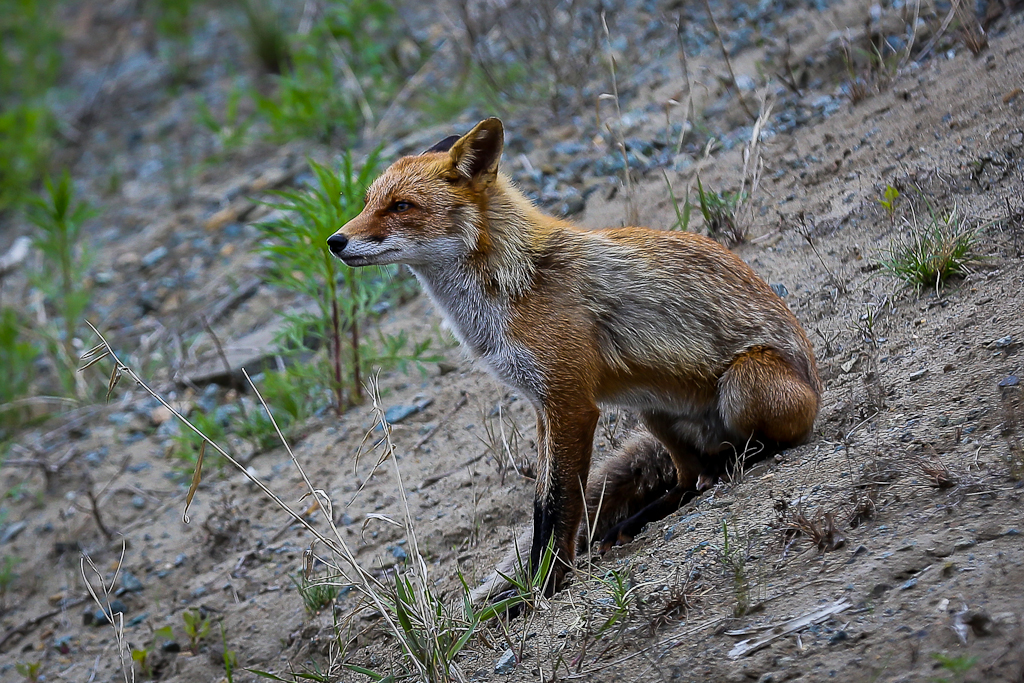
{"x": 915, "y": 464}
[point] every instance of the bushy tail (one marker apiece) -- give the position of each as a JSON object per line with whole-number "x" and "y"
{"x": 617, "y": 489}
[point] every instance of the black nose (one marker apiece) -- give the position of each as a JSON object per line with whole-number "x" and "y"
{"x": 336, "y": 243}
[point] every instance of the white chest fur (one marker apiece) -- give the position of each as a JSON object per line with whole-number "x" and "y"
{"x": 481, "y": 324}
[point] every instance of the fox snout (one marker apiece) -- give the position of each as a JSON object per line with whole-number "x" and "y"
{"x": 337, "y": 243}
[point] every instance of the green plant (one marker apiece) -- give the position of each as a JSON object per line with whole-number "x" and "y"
{"x": 197, "y": 627}
{"x": 719, "y": 211}
{"x": 297, "y": 245}
{"x": 266, "y": 36}
{"x": 231, "y": 129}
{"x": 933, "y": 251}
{"x": 58, "y": 218}
{"x": 30, "y": 61}
{"x": 30, "y": 672}
{"x": 17, "y": 357}
{"x": 957, "y": 665}
{"x": 316, "y": 593}
{"x": 733, "y": 559}
{"x": 175, "y": 21}
{"x": 230, "y": 656}
{"x": 188, "y": 443}
{"x": 682, "y": 215}
{"x": 622, "y": 589}
{"x": 142, "y": 656}
{"x": 7, "y": 576}
{"x": 888, "y": 200}
{"x": 293, "y": 396}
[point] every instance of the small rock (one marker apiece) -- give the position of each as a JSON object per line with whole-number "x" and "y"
{"x": 914, "y": 376}
{"x": 879, "y": 590}
{"x": 127, "y": 261}
{"x": 171, "y": 647}
{"x": 160, "y": 415}
{"x": 1004, "y": 342}
{"x": 12, "y": 531}
{"x": 130, "y": 583}
{"x": 136, "y": 620}
{"x": 838, "y": 637}
{"x": 154, "y": 257}
{"x": 1010, "y": 381}
{"x": 909, "y": 584}
{"x": 138, "y": 502}
{"x": 99, "y": 616}
{"x": 506, "y": 663}
{"x": 399, "y": 553}
{"x": 444, "y": 367}
{"x": 780, "y": 289}
{"x": 396, "y": 414}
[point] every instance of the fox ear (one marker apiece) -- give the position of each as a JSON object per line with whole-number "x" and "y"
{"x": 443, "y": 145}
{"x": 475, "y": 155}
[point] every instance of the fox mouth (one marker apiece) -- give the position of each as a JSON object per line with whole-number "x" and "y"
{"x": 380, "y": 258}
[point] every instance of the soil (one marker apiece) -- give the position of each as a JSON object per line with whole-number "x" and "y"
{"x": 902, "y": 513}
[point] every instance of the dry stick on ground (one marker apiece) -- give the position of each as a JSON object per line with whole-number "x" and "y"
{"x": 728, "y": 63}
{"x": 806, "y": 234}
{"x": 25, "y": 627}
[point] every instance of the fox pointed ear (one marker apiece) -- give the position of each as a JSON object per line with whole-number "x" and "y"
{"x": 443, "y": 145}
{"x": 475, "y": 155}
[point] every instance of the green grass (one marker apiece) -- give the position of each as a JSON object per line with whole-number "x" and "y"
{"x": 719, "y": 212}
{"x": 932, "y": 251}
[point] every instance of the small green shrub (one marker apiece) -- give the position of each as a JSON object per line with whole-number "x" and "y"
{"x": 197, "y": 627}
{"x": 30, "y": 671}
{"x": 682, "y": 214}
{"x": 719, "y": 211}
{"x": 231, "y": 129}
{"x": 17, "y": 358}
{"x": 58, "y": 219}
{"x": 317, "y": 593}
{"x": 293, "y": 396}
{"x": 350, "y": 64}
{"x": 932, "y": 251}
{"x": 7, "y": 576}
{"x": 888, "y": 200}
{"x": 266, "y": 35}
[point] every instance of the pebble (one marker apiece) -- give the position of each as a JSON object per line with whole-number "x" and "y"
{"x": 99, "y": 617}
{"x": 396, "y": 414}
{"x": 506, "y": 663}
{"x": 154, "y": 257}
{"x": 130, "y": 583}
{"x": 12, "y": 531}
{"x": 1010, "y": 381}
{"x": 780, "y": 289}
{"x": 138, "y": 502}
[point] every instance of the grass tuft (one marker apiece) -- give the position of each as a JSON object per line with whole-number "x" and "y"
{"x": 933, "y": 251}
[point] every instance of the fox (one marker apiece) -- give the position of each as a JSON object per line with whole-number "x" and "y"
{"x": 669, "y": 324}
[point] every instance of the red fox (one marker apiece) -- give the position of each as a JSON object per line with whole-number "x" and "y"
{"x": 670, "y": 324}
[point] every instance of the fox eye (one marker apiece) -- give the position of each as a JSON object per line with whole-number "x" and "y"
{"x": 401, "y": 207}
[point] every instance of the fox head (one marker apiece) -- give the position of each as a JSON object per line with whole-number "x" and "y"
{"x": 428, "y": 208}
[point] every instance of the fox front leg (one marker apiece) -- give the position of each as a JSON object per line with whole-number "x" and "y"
{"x": 566, "y": 437}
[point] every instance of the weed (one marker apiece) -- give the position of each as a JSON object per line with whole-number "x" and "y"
{"x": 622, "y": 589}
{"x": 144, "y": 656}
{"x": 734, "y": 560}
{"x": 888, "y": 201}
{"x": 266, "y": 36}
{"x": 957, "y": 665}
{"x": 231, "y": 129}
{"x": 293, "y": 395}
{"x": 820, "y": 529}
{"x": 230, "y": 656}
{"x": 197, "y": 627}
{"x": 719, "y": 211}
{"x": 682, "y": 214}
{"x": 187, "y": 442}
{"x": 933, "y": 251}
{"x": 337, "y": 73}
{"x": 297, "y": 243}
{"x": 58, "y": 218}
{"x": 316, "y": 593}
{"x": 30, "y": 672}
{"x": 30, "y": 60}
{"x": 17, "y": 357}
{"x": 7, "y": 577}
